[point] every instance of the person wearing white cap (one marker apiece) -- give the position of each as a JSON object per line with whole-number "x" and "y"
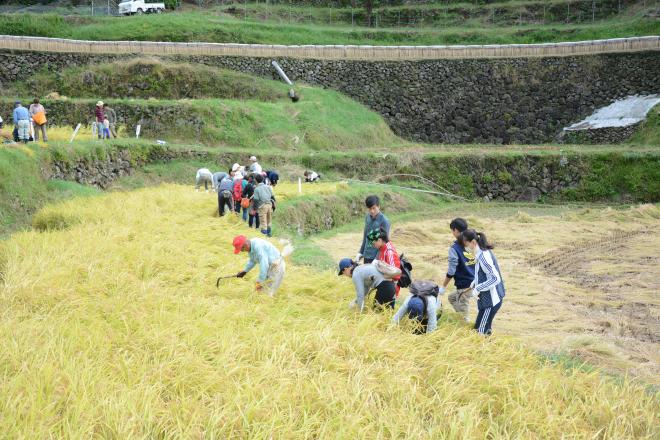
{"x": 255, "y": 168}
{"x": 100, "y": 118}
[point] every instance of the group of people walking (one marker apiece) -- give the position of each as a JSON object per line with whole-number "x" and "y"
{"x": 246, "y": 190}
{"x": 472, "y": 266}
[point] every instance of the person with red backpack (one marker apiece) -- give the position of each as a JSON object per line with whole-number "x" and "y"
{"x": 239, "y": 184}
{"x": 386, "y": 252}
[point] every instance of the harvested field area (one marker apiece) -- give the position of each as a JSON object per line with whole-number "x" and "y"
{"x": 580, "y": 282}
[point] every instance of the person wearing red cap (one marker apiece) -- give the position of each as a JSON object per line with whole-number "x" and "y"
{"x": 268, "y": 257}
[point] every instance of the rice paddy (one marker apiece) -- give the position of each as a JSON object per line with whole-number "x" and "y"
{"x": 112, "y": 327}
{"x": 582, "y": 282}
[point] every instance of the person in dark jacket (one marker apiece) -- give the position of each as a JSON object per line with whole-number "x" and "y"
{"x": 111, "y": 116}
{"x": 272, "y": 177}
{"x": 375, "y": 220}
{"x": 248, "y": 192}
{"x": 225, "y": 195}
{"x": 461, "y": 269}
{"x": 488, "y": 285}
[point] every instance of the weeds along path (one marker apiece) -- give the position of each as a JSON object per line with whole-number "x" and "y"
{"x": 581, "y": 282}
{"x": 111, "y": 326}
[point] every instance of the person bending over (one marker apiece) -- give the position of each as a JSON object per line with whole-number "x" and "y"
{"x": 203, "y": 176}
{"x": 365, "y": 279}
{"x": 271, "y": 263}
{"x": 422, "y": 306}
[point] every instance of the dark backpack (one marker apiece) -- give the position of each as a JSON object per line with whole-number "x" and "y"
{"x": 406, "y": 269}
{"x": 421, "y": 290}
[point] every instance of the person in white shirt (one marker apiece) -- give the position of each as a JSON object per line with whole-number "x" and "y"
{"x": 255, "y": 168}
{"x": 311, "y": 176}
{"x": 203, "y": 176}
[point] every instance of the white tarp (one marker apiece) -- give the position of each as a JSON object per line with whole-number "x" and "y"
{"x": 621, "y": 113}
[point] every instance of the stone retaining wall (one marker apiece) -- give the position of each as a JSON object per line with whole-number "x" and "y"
{"x": 508, "y": 100}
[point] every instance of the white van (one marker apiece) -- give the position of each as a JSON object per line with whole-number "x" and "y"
{"x": 140, "y": 7}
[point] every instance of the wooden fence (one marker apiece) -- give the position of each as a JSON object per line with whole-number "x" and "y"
{"x": 370, "y": 53}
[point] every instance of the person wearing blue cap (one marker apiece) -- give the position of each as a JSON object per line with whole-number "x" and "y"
{"x": 423, "y": 306}
{"x": 21, "y": 118}
{"x": 365, "y": 279}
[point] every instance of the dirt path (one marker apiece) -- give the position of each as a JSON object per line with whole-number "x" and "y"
{"x": 583, "y": 283}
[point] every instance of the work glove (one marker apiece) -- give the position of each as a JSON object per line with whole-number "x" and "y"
{"x": 441, "y": 290}
{"x": 475, "y": 293}
{"x": 258, "y": 286}
{"x": 352, "y": 304}
{"x": 241, "y": 274}
{"x": 358, "y": 257}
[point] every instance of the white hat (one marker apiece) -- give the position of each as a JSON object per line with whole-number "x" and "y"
{"x": 99, "y": 104}
{"x": 235, "y": 167}
{"x": 253, "y": 158}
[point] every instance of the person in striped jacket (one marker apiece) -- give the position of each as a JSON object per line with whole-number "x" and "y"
{"x": 488, "y": 285}
{"x": 386, "y": 252}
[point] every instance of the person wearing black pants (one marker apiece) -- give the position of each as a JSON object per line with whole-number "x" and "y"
{"x": 225, "y": 195}
{"x": 248, "y": 192}
{"x": 366, "y": 278}
{"x": 488, "y": 283}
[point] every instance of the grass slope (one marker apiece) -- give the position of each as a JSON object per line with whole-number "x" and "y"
{"x": 113, "y": 328}
{"x": 321, "y": 120}
{"x": 209, "y": 27}
{"x": 23, "y": 189}
{"x": 149, "y": 78}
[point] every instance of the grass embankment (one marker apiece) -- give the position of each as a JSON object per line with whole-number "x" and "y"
{"x": 149, "y": 78}
{"x": 114, "y": 327}
{"x": 454, "y": 13}
{"x": 607, "y": 173}
{"x": 23, "y": 189}
{"x": 203, "y": 26}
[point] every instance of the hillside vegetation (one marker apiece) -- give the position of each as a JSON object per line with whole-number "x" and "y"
{"x": 110, "y": 332}
{"x": 223, "y": 28}
{"x": 149, "y": 78}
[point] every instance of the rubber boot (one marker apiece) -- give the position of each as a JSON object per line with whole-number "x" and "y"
{"x": 264, "y": 231}
{"x": 269, "y": 232}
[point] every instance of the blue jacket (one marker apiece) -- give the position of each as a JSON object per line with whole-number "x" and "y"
{"x": 21, "y": 113}
{"x": 461, "y": 266}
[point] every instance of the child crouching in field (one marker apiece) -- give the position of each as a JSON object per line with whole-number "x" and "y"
{"x": 488, "y": 283}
